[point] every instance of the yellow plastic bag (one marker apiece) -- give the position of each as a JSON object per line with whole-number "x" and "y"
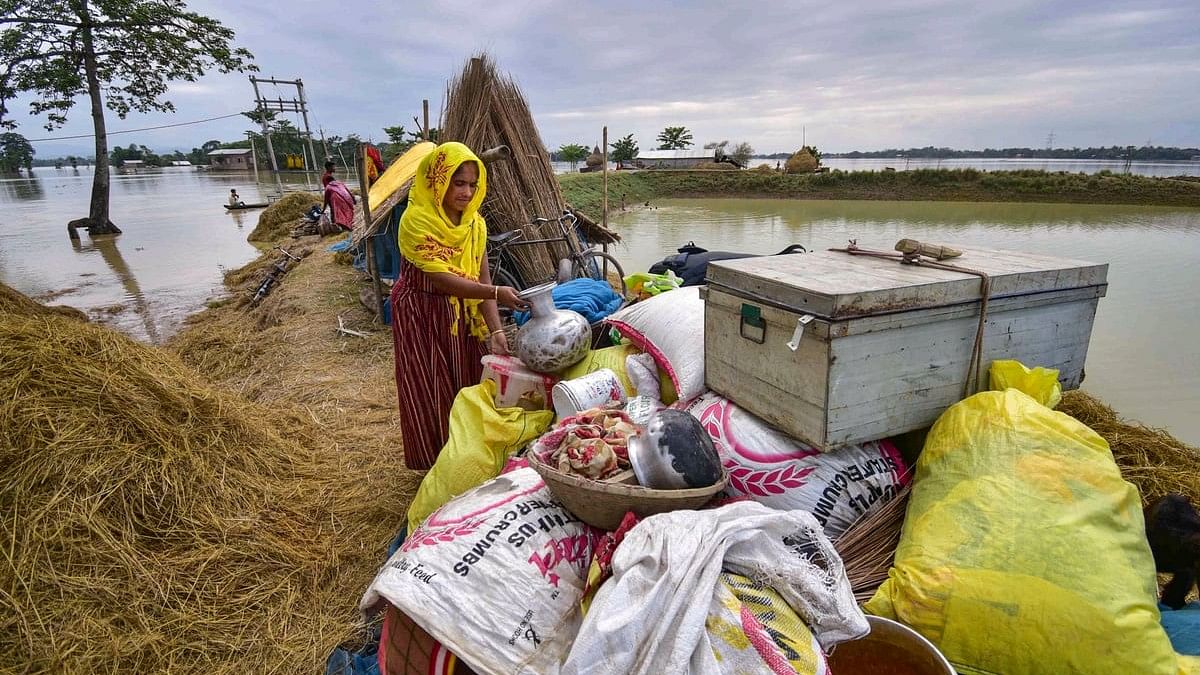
{"x": 1023, "y": 549}
{"x": 613, "y": 358}
{"x": 482, "y": 438}
{"x": 1040, "y": 383}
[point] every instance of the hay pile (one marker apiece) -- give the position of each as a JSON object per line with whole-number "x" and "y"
{"x": 155, "y": 523}
{"x": 278, "y": 219}
{"x": 1153, "y": 460}
{"x": 485, "y": 109}
{"x": 13, "y": 301}
{"x": 802, "y": 161}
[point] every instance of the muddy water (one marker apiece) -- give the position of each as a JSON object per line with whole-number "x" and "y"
{"x": 177, "y": 240}
{"x": 1144, "y": 357}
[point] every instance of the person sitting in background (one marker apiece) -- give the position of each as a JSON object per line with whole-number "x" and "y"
{"x": 327, "y": 177}
{"x": 234, "y": 199}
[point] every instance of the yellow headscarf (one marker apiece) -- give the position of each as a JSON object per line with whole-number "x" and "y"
{"x": 429, "y": 240}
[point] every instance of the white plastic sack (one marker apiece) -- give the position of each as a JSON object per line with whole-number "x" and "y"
{"x": 837, "y": 487}
{"x": 495, "y": 575}
{"x": 643, "y": 373}
{"x": 670, "y": 327}
{"x": 650, "y": 616}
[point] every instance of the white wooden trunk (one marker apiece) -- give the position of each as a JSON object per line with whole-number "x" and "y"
{"x": 886, "y": 346}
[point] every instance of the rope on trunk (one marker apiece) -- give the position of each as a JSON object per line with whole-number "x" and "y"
{"x": 974, "y": 366}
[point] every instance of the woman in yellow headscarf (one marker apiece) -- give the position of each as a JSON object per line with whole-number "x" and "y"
{"x": 444, "y": 306}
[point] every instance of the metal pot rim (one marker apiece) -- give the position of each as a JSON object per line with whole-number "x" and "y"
{"x": 537, "y": 290}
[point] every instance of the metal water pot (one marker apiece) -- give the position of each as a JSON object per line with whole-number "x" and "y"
{"x": 553, "y": 339}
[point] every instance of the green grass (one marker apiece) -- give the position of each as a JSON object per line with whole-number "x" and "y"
{"x": 584, "y": 191}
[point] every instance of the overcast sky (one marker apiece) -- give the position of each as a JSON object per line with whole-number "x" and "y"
{"x": 851, "y": 75}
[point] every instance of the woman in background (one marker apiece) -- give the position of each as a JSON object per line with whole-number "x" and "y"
{"x": 445, "y": 313}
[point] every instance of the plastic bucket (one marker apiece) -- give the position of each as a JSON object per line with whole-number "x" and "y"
{"x": 516, "y": 384}
{"x": 590, "y": 391}
{"x": 890, "y": 647}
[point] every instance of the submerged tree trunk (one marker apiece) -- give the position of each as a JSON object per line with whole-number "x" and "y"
{"x": 97, "y": 219}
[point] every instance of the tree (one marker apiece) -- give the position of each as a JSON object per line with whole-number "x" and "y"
{"x": 741, "y": 154}
{"x": 120, "y": 53}
{"x": 399, "y": 142}
{"x": 573, "y": 153}
{"x": 15, "y": 153}
{"x": 674, "y": 138}
{"x": 624, "y": 150}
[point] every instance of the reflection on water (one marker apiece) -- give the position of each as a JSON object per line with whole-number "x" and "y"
{"x": 111, "y": 254}
{"x": 177, "y": 239}
{"x": 1144, "y": 357}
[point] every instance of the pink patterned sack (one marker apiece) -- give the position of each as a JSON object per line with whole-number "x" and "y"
{"x": 766, "y": 466}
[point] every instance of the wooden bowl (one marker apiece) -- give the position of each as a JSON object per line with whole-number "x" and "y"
{"x": 603, "y": 504}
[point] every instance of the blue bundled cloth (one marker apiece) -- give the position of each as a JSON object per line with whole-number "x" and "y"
{"x": 1183, "y": 627}
{"x": 592, "y": 298}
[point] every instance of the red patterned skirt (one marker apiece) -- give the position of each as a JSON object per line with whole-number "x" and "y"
{"x": 431, "y": 364}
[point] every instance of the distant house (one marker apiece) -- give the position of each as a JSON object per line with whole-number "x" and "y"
{"x": 231, "y": 159}
{"x": 675, "y": 159}
{"x": 181, "y": 162}
{"x": 133, "y": 163}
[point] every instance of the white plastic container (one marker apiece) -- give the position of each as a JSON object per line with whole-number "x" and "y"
{"x": 590, "y": 391}
{"x": 517, "y": 385}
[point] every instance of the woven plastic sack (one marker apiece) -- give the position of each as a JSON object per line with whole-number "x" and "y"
{"x": 482, "y": 437}
{"x": 652, "y": 615}
{"x": 495, "y": 576}
{"x": 669, "y": 326}
{"x": 753, "y": 630}
{"x": 1023, "y": 549}
{"x": 769, "y": 467}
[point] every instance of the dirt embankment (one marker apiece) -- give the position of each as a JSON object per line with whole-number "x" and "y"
{"x": 584, "y": 191}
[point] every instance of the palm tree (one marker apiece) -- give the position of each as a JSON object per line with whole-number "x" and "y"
{"x": 674, "y": 138}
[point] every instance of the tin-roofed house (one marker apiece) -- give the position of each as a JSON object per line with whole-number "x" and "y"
{"x": 231, "y": 159}
{"x": 675, "y": 159}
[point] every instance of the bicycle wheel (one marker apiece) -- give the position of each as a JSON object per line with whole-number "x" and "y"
{"x": 502, "y": 277}
{"x": 591, "y": 265}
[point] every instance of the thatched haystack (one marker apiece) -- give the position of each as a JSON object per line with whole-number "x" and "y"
{"x": 155, "y": 523}
{"x": 802, "y": 161}
{"x": 485, "y": 109}
{"x": 1152, "y": 459}
{"x": 278, "y": 219}
{"x": 13, "y": 301}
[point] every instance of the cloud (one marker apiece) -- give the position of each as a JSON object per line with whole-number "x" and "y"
{"x": 844, "y": 75}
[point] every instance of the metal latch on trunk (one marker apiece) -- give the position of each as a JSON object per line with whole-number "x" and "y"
{"x": 799, "y": 332}
{"x": 752, "y": 326}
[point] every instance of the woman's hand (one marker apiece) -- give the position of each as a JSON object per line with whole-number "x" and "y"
{"x": 507, "y": 296}
{"x": 498, "y": 343}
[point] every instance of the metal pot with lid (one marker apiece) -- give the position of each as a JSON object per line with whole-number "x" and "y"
{"x": 674, "y": 452}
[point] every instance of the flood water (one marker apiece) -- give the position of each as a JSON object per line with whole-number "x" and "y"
{"x": 1144, "y": 357}
{"x": 177, "y": 238}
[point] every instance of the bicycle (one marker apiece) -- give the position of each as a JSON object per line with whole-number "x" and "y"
{"x": 281, "y": 267}
{"x": 582, "y": 262}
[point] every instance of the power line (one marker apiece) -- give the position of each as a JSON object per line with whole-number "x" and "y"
{"x": 130, "y": 131}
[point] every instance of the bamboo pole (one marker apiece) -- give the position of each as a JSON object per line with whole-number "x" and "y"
{"x": 425, "y": 113}
{"x": 372, "y": 263}
{"x": 604, "y": 212}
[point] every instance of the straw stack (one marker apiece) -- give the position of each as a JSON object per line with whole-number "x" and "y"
{"x": 485, "y": 109}
{"x": 14, "y": 301}
{"x": 155, "y": 523}
{"x": 868, "y": 547}
{"x": 1153, "y": 460}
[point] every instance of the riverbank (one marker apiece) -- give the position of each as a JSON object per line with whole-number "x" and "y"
{"x": 315, "y": 409}
{"x": 584, "y": 191}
